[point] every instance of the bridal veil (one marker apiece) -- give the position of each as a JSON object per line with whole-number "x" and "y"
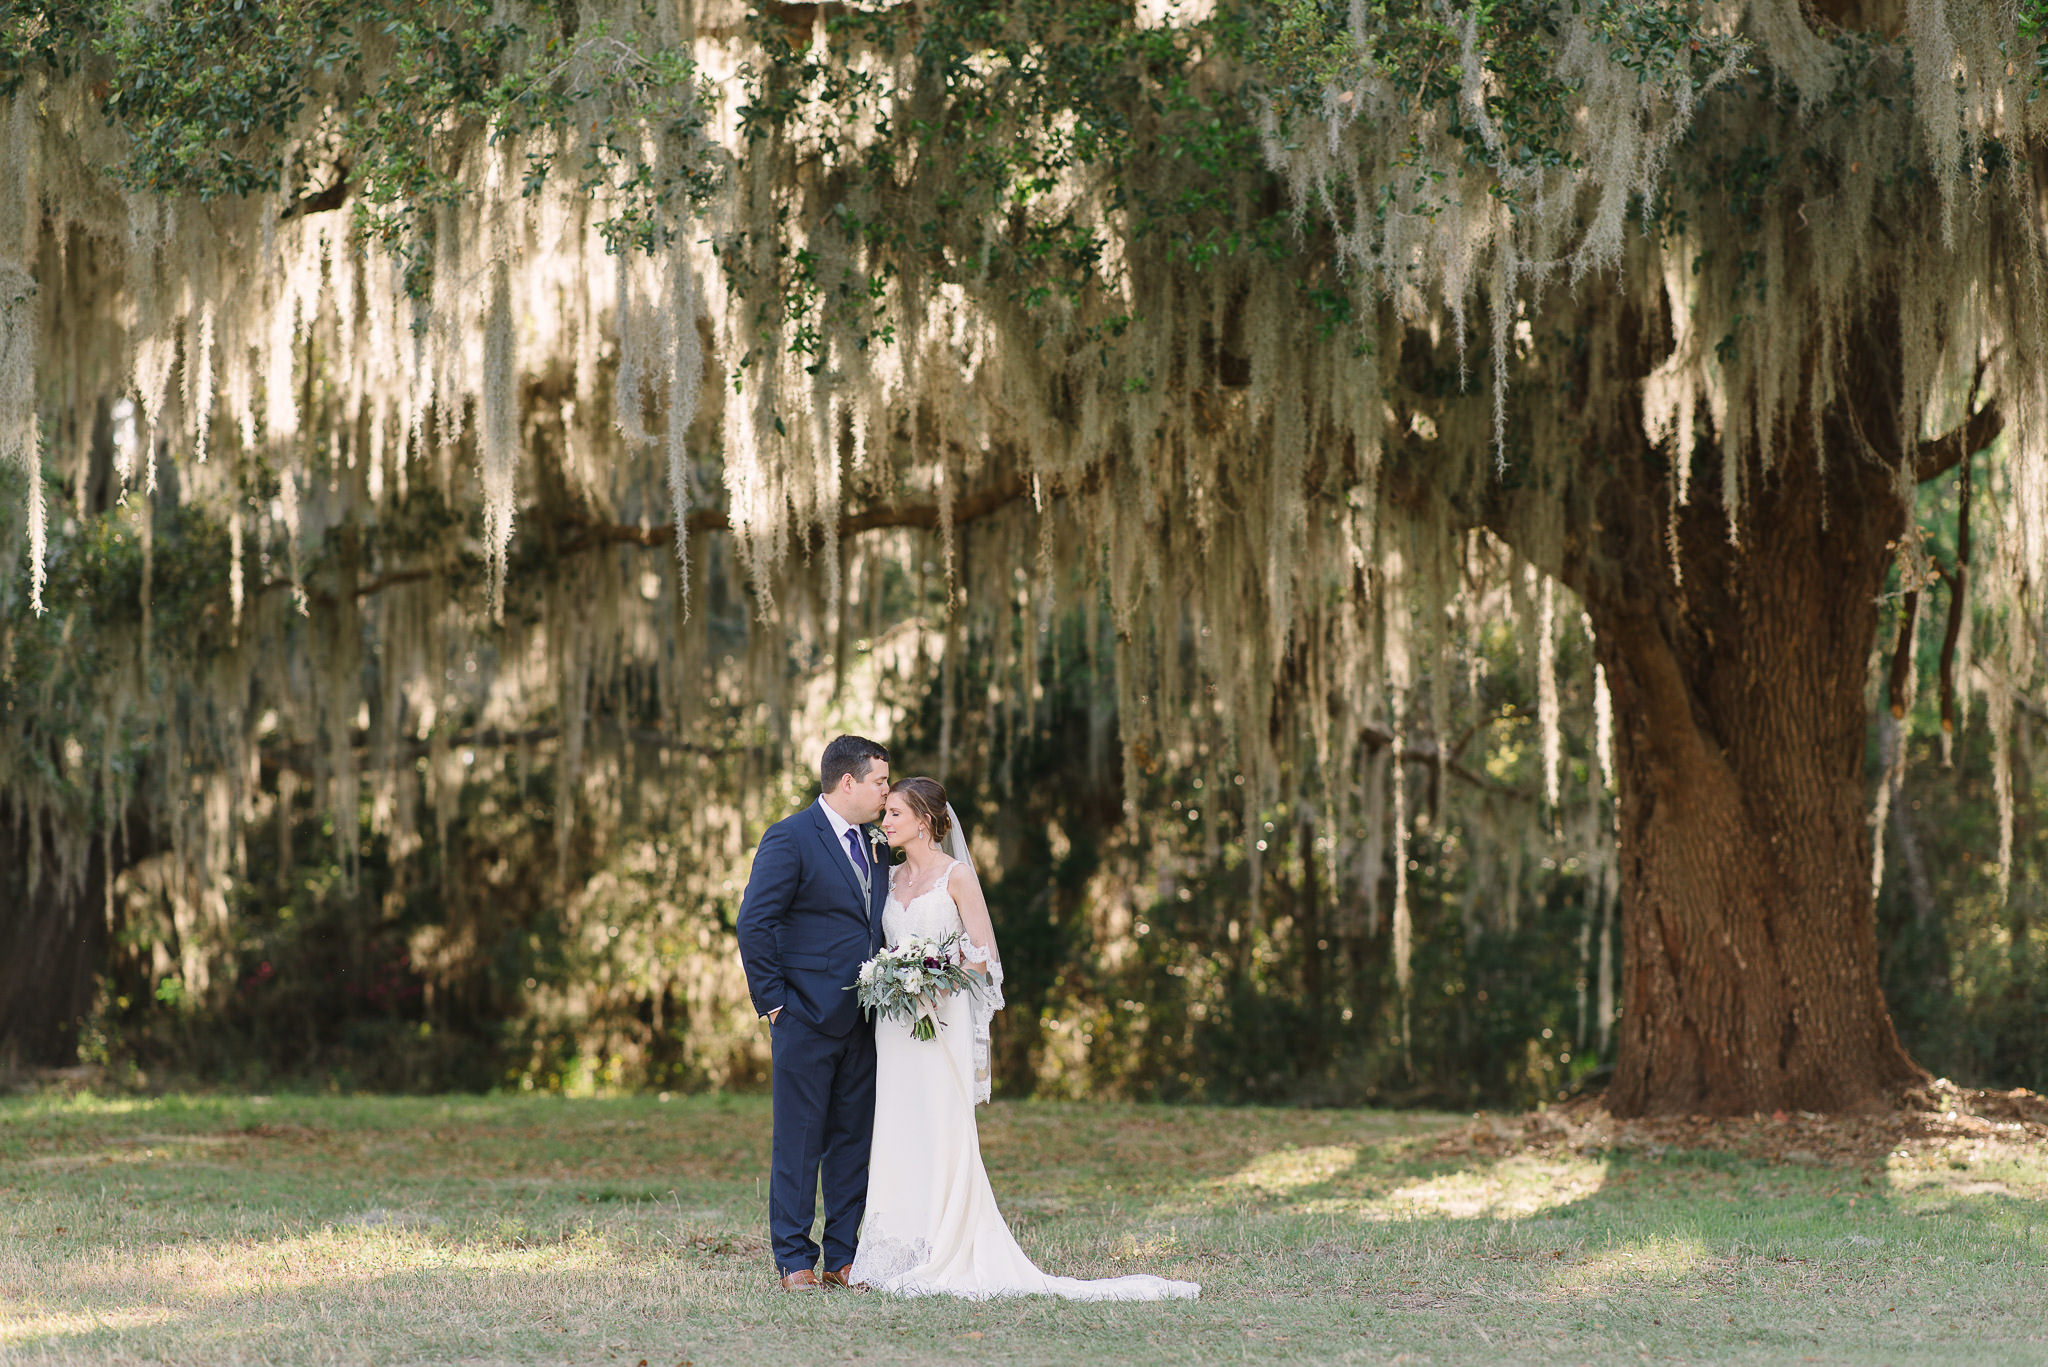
{"x": 981, "y": 950}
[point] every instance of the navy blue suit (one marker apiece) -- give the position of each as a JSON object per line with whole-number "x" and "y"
{"x": 805, "y": 928}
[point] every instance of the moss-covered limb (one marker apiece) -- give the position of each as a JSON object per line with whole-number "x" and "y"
{"x": 971, "y": 507}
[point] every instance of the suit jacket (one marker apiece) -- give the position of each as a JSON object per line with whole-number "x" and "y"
{"x": 804, "y": 928}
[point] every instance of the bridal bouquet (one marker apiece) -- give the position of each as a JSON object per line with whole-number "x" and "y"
{"x": 906, "y": 983}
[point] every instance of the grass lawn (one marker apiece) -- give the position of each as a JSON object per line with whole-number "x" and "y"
{"x": 210, "y": 1230}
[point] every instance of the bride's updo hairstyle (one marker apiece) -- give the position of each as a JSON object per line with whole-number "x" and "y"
{"x": 927, "y": 802}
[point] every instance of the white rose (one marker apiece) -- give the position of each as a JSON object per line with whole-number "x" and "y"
{"x": 913, "y": 980}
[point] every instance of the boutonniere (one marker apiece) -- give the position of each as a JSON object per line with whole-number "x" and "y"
{"x": 877, "y": 843}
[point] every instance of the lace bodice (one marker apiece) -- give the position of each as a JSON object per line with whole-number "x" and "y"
{"x": 932, "y": 914}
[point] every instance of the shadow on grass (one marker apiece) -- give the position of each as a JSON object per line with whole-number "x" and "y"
{"x": 1635, "y": 1200}
{"x": 537, "y": 1229}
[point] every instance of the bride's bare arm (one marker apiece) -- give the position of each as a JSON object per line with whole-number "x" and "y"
{"x": 981, "y": 932}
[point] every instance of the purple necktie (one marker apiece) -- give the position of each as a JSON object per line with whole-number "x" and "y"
{"x": 860, "y": 859}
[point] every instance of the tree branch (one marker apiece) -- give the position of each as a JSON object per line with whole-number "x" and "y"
{"x": 1939, "y": 455}
{"x": 590, "y": 535}
{"x": 979, "y": 504}
{"x": 1902, "y": 653}
{"x": 301, "y": 758}
{"x": 1430, "y": 753}
{"x": 1958, "y": 597}
{"x": 1664, "y": 696}
{"x": 321, "y": 201}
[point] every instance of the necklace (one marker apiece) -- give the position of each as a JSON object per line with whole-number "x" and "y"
{"x": 903, "y": 892}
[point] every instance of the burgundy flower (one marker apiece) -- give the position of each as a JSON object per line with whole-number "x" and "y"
{"x": 934, "y": 964}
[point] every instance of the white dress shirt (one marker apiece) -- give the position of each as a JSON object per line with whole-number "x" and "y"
{"x": 840, "y": 826}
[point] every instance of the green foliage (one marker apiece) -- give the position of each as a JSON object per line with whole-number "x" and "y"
{"x": 61, "y": 667}
{"x": 2033, "y": 24}
{"x": 1237, "y": 986}
{"x": 41, "y": 35}
{"x": 208, "y": 90}
{"x": 1964, "y": 944}
{"x": 1140, "y": 961}
{"x": 1021, "y": 103}
{"x": 1021, "y": 97}
{"x": 388, "y": 103}
{"x": 1521, "y": 122}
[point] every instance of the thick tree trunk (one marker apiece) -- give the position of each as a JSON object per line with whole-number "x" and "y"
{"x": 1750, "y": 969}
{"x": 53, "y": 944}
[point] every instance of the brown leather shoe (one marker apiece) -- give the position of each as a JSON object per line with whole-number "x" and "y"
{"x": 842, "y": 1280}
{"x": 803, "y": 1279}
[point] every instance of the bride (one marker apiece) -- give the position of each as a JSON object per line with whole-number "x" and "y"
{"x": 932, "y": 1225}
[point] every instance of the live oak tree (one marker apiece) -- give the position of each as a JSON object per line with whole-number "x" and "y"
{"x": 1740, "y": 401}
{"x": 1309, "y": 336}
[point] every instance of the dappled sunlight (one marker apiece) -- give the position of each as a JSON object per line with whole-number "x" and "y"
{"x": 1290, "y": 1169}
{"x": 25, "y": 1326}
{"x": 1514, "y": 1188}
{"x": 1659, "y": 1260}
{"x": 1301, "y": 1226}
{"x": 113, "y": 1286}
{"x": 86, "y": 1103}
{"x": 147, "y": 1148}
{"x": 381, "y": 1297}
{"x": 96, "y": 1158}
{"x": 1367, "y": 1182}
{"x": 1993, "y": 1160}
{"x": 1148, "y": 1250}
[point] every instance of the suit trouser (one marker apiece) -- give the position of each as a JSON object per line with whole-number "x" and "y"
{"x": 824, "y": 1089}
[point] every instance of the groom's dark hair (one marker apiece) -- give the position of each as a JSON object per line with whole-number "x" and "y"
{"x": 849, "y": 755}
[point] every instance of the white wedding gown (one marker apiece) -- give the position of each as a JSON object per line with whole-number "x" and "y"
{"x": 932, "y": 1227}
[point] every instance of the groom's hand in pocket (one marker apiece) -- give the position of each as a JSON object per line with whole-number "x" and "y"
{"x": 773, "y": 1014}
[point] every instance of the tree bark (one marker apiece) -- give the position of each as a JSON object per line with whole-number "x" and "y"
{"x": 53, "y": 943}
{"x": 1751, "y": 968}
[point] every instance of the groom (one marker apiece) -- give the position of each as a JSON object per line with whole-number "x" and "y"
{"x": 811, "y": 916}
